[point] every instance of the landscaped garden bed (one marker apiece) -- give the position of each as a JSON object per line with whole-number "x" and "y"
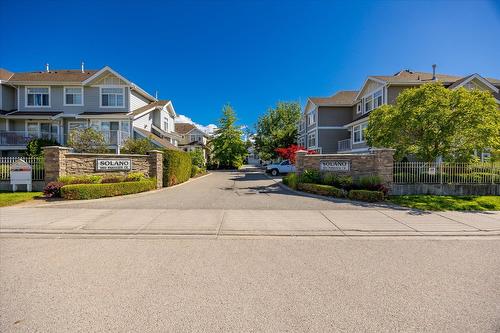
{"x": 98, "y": 186}
{"x": 369, "y": 188}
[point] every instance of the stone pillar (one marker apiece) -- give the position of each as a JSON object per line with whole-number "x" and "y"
{"x": 155, "y": 158}
{"x": 384, "y": 164}
{"x": 55, "y": 162}
{"x": 299, "y": 161}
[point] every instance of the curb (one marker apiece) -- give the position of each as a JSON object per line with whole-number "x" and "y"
{"x": 121, "y": 197}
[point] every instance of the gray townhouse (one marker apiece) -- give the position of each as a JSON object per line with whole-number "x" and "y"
{"x": 192, "y": 138}
{"x": 336, "y": 124}
{"x": 52, "y": 103}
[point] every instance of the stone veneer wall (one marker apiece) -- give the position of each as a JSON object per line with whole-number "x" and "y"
{"x": 60, "y": 162}
{"x": 377, "y": 162}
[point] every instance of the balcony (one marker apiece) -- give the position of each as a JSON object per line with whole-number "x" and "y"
{"x": 21, "y": 138}
{"x": 344, "y": 145}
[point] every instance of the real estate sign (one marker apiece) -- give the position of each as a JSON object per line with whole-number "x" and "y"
{"x": 334, "y": 165}
{"x": 113, "y": 164}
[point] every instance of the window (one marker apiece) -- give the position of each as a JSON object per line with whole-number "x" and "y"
{"x": 359, "y": 133}
{"x": 285, "y": 162}
{"x": 359, "y": 108}
{"x": 73, "y": 96}
{"x": 368, "y": 103}
{"x": 38, "y": 96}
{"x": 76, "y": 125}
{"x": 312, "y": 117}
{"x": 195, "y": 137}
{"x": 312, "y": 140}
{"x": 165, "y": 125}
{"x": 377, "y": 99}
{"x": 112, "y": 97}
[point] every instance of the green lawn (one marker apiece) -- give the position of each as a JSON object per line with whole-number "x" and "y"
{"x": 436, "y": 202}
{"x": 10, "y": 198}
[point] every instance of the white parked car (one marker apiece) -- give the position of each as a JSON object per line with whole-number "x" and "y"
{"x": 282, "y": 167}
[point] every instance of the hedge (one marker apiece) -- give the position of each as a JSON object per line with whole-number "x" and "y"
{"x": 328, "y": 190}
{"x": 365, "y": 195}
{"x": 96, "y": 191}
{"x": 176, "y": 167}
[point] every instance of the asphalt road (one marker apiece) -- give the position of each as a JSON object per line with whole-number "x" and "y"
{"x": 222, "y": 190}
{"x": 240, "y": 285}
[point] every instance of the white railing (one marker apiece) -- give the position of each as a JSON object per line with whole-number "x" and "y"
{"x": 21, "y": 138}
{"x": 344, "y": 145}
{"x": 446, "y": 173}
{"x": 37, "y": 164}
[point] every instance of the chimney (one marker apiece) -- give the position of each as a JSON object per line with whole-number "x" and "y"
{"x": 83, "y": 67}
{"x": 47, "y": 68}
{"x": 434, "y": 72}
{"x": 156, "y": 94}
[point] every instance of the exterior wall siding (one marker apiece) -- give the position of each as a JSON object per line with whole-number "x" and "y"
{"x": 334, "y": 116}
{"x": 144, "y": 122}
{"x": 91, "y": 101}
{"x": 7, "y": 98}
{"x": 328, "y": 139}
{"x": 137, "y": 101}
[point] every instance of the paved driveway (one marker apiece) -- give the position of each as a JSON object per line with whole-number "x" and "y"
{"x": 236, "y": 203}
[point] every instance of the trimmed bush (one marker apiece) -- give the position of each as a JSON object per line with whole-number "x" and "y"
{"x": 176, "y": 167}
{"x": 320, "y": 189}
{"x": 365, "y": 195}
{"x": 135, "y": 177}
{"x": 291, "y": 180}
{"x": 83, "y": 179}
{"x": 113, "y": 179}
{"x": 194, "y": 170}
{"x": 310, "y": 176}
{"x": 96, "y": 191}
{"x": 53, "y": 190}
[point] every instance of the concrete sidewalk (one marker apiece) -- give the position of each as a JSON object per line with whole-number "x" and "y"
{"x": 224, "y": 222}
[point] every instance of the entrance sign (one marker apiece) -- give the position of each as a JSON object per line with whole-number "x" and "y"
{"x": 334, "y": 165}
{"x": 113, "y": 164}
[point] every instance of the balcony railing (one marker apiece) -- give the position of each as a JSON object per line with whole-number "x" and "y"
{"x": 21, "y": 138}
{"x": 344, "y": 145}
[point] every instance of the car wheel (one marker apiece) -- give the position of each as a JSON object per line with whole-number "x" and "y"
{"x": 274, "y": 172}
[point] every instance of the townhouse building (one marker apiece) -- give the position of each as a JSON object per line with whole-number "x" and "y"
{"x": 191, "y": 138}
{"x": 52, "y": 103}
{"x": 336, "y": 124}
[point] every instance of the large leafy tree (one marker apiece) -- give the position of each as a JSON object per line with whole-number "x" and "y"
{"x": 87, "y": 140}
{"x": 229, "y": 149}
{"x": 432, "y": 121}
{"x": 276, "y": 129}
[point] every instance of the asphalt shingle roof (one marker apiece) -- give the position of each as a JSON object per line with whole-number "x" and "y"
{"x": 341, "y": 98}
{"x": 183, "y": 128}
{"x": 63, "y": 75}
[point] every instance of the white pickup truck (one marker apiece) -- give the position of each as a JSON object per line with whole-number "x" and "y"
{"x": 282, "y": 167}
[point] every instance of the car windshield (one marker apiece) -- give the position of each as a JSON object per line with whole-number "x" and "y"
{"x": 285, "y": 162}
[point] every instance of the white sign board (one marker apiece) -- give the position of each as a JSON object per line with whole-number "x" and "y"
{"x": 113, "y": 164}
{"x": 334, "y": 165}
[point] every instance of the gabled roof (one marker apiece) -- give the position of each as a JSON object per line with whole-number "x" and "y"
{"x": 63, "y": 75}
{"x": 156, "y": 139}
{"x": 5, "y": 75}
{"x": 471, "y": 77}
{"x": 341, "y": 98}
{"x": 150, "y": 107}
{"x": 184, "y": 128}
{"x": 408, "y": 76}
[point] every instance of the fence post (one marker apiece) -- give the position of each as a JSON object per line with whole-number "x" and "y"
{"x": 492, "y": 173}
{"x": 441, "y": 173}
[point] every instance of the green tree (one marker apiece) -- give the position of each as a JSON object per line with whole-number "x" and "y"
{"x": 277, "y": 129}
{"x": 87, "y": 140}
{"x": 229, "y": 150}
{"x": 432, "y": 121}
{"x": 197, "y": 158}
{"x": 34, "y": 148}
{"x": 137, "y": 146}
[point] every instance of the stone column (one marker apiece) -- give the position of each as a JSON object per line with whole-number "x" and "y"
{"x": 55, "y": 162}
{"x": 299, "y": 161}
{"x": 155, "y": 159}
{"x": 384, "y": 164}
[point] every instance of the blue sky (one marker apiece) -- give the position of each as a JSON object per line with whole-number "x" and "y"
{"x": 203, "y": 54}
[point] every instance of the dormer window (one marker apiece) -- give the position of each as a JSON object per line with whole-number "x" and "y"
{"x": 112, "y": 97}
{"x": 368, "y": 103}
{"x": 377, "y": 99}
{"x": 38, "y": 96}
{"x": 73, "y": 96}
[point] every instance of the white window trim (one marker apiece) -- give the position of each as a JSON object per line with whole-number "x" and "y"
{"x": 85, "y": 123}
{"x": 111, "y": 107}
{"x": 64, "y": 96}
{"x": 36, "y": 106}
{"x": 361, "y": 135}
{"x": 372, "y": 95}
{"x": 359, "y": 108}
{"x": 39, "y": 122}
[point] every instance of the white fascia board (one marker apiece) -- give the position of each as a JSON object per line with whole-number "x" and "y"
{"x": 481, "y": 79}
{"x": 369, "y": 78}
